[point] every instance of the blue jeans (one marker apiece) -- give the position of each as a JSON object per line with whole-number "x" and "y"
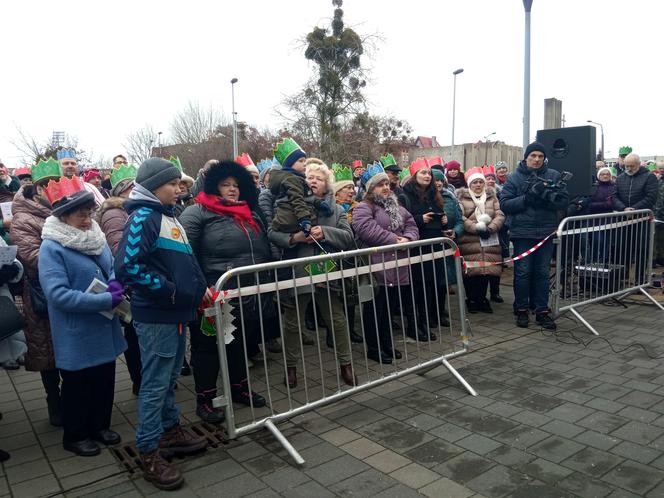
{"x": 531, "y": 276}
{"x": 162, "y": 348}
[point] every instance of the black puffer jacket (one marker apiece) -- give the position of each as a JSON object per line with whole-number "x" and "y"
{"x": 524, "y": 220}
{"x": 419, "y": 207}
{"x": 638, "y": 191}
{"x": 220, "y": 244}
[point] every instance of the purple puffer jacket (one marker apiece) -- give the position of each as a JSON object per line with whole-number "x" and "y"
{"x": 371, "y": 224}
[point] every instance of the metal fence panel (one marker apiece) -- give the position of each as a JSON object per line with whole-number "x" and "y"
{"x": 418, "y": 327}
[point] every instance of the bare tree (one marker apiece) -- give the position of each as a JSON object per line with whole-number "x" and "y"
{"x": 33, "y": 150}
{"x": 195, "y": 125}
{"x": 139, "y": 144}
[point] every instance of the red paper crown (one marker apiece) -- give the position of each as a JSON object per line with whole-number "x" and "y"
{"x": 25, "y": 170}
{"x": 356, "y": 164}
{"x": 435, "y": 161}
{"x": 64, "y": 187}
{"x": 488, "y": 170}
{"x": 244, "y": 160}
{"x": 418, "y": 164}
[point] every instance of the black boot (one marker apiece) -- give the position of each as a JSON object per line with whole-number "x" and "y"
{"x": 204, "y": 409}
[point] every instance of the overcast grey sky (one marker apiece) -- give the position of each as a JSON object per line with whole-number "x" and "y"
{"x": 98, "y": 70}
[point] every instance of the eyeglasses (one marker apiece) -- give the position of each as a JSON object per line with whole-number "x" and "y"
{"x": 120, "y": 161}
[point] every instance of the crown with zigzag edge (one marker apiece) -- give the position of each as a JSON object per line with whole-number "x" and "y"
{"x": 265, "y": 164}
{"x": 23, "y": 171}
{"x": 342, "y": 173}
{"x": 388, "y": 160}
{"x": 418, "y": 164}
{"x": 65, "y": 153}
{"x": 614, "y": 171}
{"x": 372, "y": 170}
{"x": 624, "y": 150}
{"x": 124, "y": 172}
{"x": 435, "y": 161}
{"x": 176, "y": 162}
{"x": 244, "y": 160}
{"x": 46, "y": 169}
{"x": 284, "y": 149}
{"x": 404, "y": 173}
{"x": 356, "y": 164}
{"x": 57, "y": 190}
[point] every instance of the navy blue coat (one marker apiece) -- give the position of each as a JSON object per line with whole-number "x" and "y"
{"x": 524, "y": 220}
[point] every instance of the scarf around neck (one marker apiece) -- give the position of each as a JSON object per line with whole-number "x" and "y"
{"x": 239, "y": 211}
{"x": 391, "y": 205}
{"x": 480, "y": 203}
{"x": 90, "y": 242}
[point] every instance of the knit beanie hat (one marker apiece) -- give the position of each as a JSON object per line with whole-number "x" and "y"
{"x": 293, "y": 157}
{"x": 155, "y": 172}
{"x": 453, "y": 165}
{"x": 535, "y": 146}
{"x": 90, "y": 174}
{"x": 437, "y": 174}
{"x": 602, "y": 170}
{"x": 375, "y": 180}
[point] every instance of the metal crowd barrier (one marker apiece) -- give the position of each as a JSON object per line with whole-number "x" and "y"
{"x": 259, "y": 310}
{"x": 602, "y": 257}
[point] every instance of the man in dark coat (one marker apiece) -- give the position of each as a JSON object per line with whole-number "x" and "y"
{"x": 531, "y": 199}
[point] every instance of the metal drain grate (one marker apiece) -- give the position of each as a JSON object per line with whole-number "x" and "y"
{"x": 128, "y": 457}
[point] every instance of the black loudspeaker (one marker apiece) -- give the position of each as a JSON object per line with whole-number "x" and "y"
{"x": 572, "y": 149}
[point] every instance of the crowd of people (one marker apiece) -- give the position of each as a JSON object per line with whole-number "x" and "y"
{"x": 152, "y": 239}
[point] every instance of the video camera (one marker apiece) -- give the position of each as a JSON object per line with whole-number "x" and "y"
{"x": 546, "y": 189}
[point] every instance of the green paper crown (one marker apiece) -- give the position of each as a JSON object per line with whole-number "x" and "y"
{"x": 342, "y": 173}
{"x": 176, "y": 161}
{"x": 46, "y": 169}
{"x": 614, "y": 171}
{"x": 652, "y": 166}
{"x": 625, "y": 150}
{"x": 125, "y": 172}
{"x": 284, "y": 149}
{"x": 404, "y": 173}
{"x": 388, "y": 160}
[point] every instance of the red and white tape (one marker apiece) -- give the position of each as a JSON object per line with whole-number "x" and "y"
{"x": 482, "y": 264}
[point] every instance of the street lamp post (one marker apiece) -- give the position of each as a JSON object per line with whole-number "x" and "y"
{"x": 486, "y": 146}
{"x": 601, "y": 129}
{"x": 458, "y": 71}
{"x": 527, "y": 5}
{"x": 233, "y": 81}
{"x": 161, "y": 151}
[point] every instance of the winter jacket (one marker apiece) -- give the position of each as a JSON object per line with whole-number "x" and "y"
{"x": 524, "y": 219}
{"x": 337, "y": 232}
{"x": 266, "y": 204}
{"x": 349, "y": 208}
{"x": 15, "y": 345}
{"x": 293, "y": 201}
{"x": 371, "y": 224}
{"x": 154, "y": 257}
{"x": 82, "y": 337}
{"x": 659, "y": 206}
{"x": 9, "y": 189}
{"x": 469, "y": 243}
{"x": 602, "y": 196}
{"x": 27, "y": 222}
{"x": 418, "y": 208}
{"x": 638, "y": 191}
{"x": 112, "y": 218}
{"x": 454, "y": 222}
{"x": 220, "y": 244}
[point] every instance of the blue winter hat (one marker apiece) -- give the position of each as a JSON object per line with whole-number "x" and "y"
{"x": 292, "y": 158}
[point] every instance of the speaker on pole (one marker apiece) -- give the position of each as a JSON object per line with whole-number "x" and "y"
{"x": 572, "y": 149}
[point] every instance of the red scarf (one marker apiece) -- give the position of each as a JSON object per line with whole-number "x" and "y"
{"x": 239, "y": 211}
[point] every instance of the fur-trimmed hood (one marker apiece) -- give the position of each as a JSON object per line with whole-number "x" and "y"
{"x": 111, "y": 203}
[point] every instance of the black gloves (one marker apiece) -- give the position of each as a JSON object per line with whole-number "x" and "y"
{"x": 485, "y": 234}
{"x": 305, "y": 226}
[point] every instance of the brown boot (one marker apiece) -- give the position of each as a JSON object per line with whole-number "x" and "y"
{"x": 347, "y": 375}
{"x": 159, "y": 472}
{"x": 291, "y": 377}
{"x": 180, "y": 441}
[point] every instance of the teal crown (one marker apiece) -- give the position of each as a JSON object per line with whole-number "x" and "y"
{"x": 388, "y": 160}
{"x": 284, "y": 149}
{"x": 372, "y": 170}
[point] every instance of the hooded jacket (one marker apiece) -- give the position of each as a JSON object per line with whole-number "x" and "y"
{"x": 638, "y": 191}
{"x": 154, "y": 258}
{"x": 527, "y": 221}
{"x": 27, "y": 223}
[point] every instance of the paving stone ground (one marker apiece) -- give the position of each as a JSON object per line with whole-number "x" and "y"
{"x": 553, "y": 419}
